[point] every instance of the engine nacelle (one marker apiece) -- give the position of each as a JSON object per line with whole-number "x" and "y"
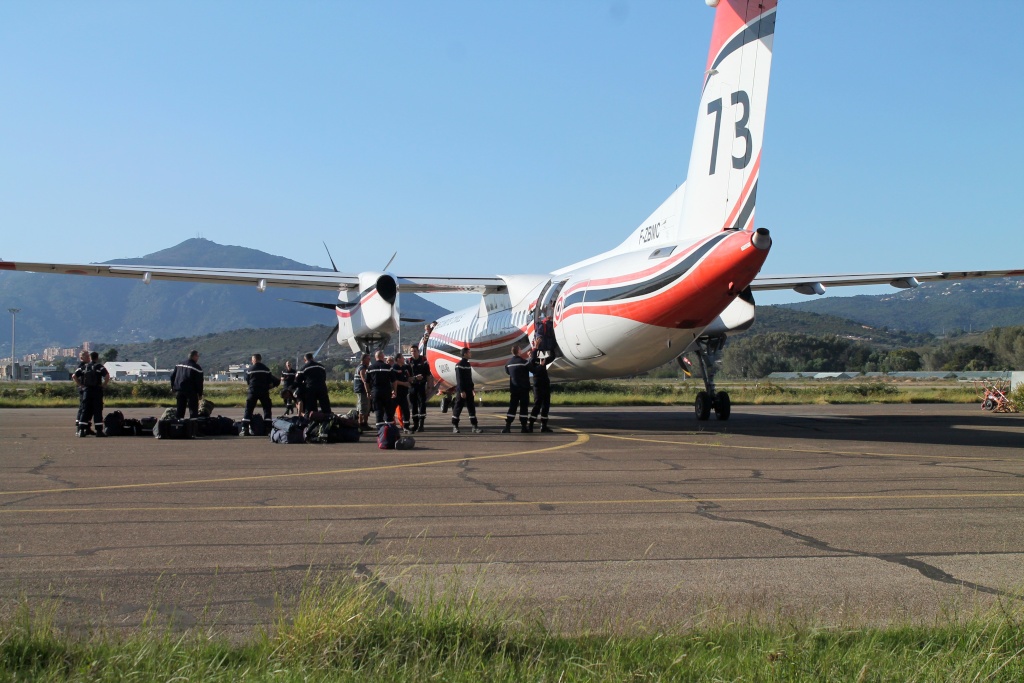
{"x": 368, "y": 317}
{"x": 738, "y": 316}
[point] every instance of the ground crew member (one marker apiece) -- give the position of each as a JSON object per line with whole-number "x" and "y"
{"x": 187, "y": 383}
{"x": 465, "y": 397}
{"x": 91, "y": 377}
{"x": 288, "y": 387}
{"x": 518, "y": 369}
{"x": 359, "y": 386}
{"x": 381, "y": 379}
{"x": 83, "y": 360}
{"x": 541, "y": 389}
{"x": 403, "y": 382}
{"x": 260, "y": 381}
{"x": 312, "y": 381}
{"x": 419, "y": 368}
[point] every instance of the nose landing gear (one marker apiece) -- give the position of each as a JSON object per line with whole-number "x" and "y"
{"x": 709, "y": 350}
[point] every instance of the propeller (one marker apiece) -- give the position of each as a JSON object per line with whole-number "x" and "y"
{"x": 326, "y": 341}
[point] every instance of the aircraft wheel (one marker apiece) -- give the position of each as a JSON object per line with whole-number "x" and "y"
{"x": 989, "y": 404}
{"x": 702, "y": 406}
{"x": 723, "y": 406}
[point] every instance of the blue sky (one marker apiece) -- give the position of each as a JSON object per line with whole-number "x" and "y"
{"x": 499, "y": 137}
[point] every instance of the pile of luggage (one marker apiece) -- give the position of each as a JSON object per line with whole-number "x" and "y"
{"x": 317, "y": 428}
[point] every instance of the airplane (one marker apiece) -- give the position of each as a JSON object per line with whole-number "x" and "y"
{"x": 681, "y": 282}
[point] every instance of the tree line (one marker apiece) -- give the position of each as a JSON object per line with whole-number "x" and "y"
{"x": 756, "y": 356}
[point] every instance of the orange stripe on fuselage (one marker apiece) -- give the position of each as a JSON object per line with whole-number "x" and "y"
{"x": 698, "y": 297}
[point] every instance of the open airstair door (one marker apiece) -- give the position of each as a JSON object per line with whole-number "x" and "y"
{"x": 570, "y": 329}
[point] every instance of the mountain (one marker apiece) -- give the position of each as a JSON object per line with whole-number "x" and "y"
{"x": 935, "y": 307}
{"x": 66, "y": 310}
{"x": 786, "y": 319}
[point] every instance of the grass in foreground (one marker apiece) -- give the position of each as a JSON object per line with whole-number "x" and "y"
{"x": 345, "y": 631}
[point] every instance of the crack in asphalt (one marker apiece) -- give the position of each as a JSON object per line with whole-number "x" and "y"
{"x": 464, "y": 474}
{"x": 929, "y": 571}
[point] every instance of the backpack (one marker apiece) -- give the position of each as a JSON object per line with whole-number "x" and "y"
{"x": 146, "y": 426}
{"x": 406, "y": 443}
{"x": 132, "y": 427}
{"x": 387, "y": 436}
{"x": 91, "y": 376}
{"x": 113, "y": 424}
{"x": 257, "y": 425}
{"x": 206, "y": 408}
{"x": 170, "y": 414}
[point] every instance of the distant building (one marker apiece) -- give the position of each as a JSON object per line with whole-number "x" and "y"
{"x": 234, "y": 373}
{"x": 133, "y": 371}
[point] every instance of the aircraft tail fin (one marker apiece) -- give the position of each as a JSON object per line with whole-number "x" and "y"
{"x": 721, "y": 183}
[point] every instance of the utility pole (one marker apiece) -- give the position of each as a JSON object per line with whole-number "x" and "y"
{"x": 14, "y": 358}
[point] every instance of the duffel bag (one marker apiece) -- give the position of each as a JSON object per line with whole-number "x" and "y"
{"x": 257, "y": 425}
{"x": 113, "y": 423}
{"x": 174, "y": 429}
{"x": 291, "y": 435}
{"x": 387, "y": 436}
{"x": 146, "y": 426}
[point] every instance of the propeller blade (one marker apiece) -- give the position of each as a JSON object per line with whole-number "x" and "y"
{"x": 326, "y": 341}
{"x": 318, "y": 304}
{"x": 330, "y": 257}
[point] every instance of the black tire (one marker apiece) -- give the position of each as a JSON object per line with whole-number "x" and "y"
{"x": 702, "y": 406}
{"x": 989, "y": 404}
{"x": 723, "y": 405}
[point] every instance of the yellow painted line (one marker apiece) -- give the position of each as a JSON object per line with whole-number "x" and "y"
{"x": 811, "y": 451}
{"x": 506, "y": 503}
{"x": 581, "y": 439}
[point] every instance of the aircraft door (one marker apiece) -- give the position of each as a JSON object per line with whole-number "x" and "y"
{"x": 544, "y": 320}
{"x": 572, "y": 331}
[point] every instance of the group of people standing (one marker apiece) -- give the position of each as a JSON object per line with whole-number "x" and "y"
{"x": 381, "y": 386}
{"x": 390, "y": 383}
{"x": 524, "y": 363}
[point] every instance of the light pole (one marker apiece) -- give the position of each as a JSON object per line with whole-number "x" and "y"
{"x": 14, "y": 358}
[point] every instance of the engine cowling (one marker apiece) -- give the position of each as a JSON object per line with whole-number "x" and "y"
{"x": 368, "y": 317}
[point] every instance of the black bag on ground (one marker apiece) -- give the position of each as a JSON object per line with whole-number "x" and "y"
{"x": 113, "y": 424}
{"x": 225, "y": 426}
{"x": 175, "y": 429}
{"x": 258, "y": 426}
{"x": 132, "y": 427}
{"x": 332, "y": 429}
{"x": 147, "y": 425}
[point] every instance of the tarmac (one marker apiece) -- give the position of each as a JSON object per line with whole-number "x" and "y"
{"x": 624, "y": 518}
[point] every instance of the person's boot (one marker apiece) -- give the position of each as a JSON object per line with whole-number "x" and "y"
{"x": 476, "y": 428}
{"x": 523, "y": 428}
{"x": 245, "y": 428}
{"x": 99, "y": 429}
{"x": 507, "y": 428}
{"x": 544, "y": 426}
{"x": 81, "y": 431}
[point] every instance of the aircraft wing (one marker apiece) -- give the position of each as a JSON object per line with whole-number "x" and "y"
{"x": 297, "y": 279}
{"x": 816, "y": 284}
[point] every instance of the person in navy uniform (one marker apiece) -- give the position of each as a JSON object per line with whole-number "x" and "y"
{"x": 541, "y": 388}
{"x": 83, "y": 360}
{"x": 381, "y": 379}
{"x": 403, "y": 382}
{"x": 518, "y": 369}
{"x": 91, "y": 377}
{"x": 360, "y": 386}
{"x": 187, "y": 383}
{"x": 312, "y": 381}
{"x": 465, "y": 397}
{"x": 260, "y": 381}
{"x": 419, "y": 368}
{"x": 288, "y": 387}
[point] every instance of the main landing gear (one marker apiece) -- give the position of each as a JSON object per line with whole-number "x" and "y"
{"x": 708, "y": 351}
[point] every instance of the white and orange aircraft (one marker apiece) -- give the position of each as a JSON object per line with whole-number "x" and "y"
{"x": 681, "y": 282}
